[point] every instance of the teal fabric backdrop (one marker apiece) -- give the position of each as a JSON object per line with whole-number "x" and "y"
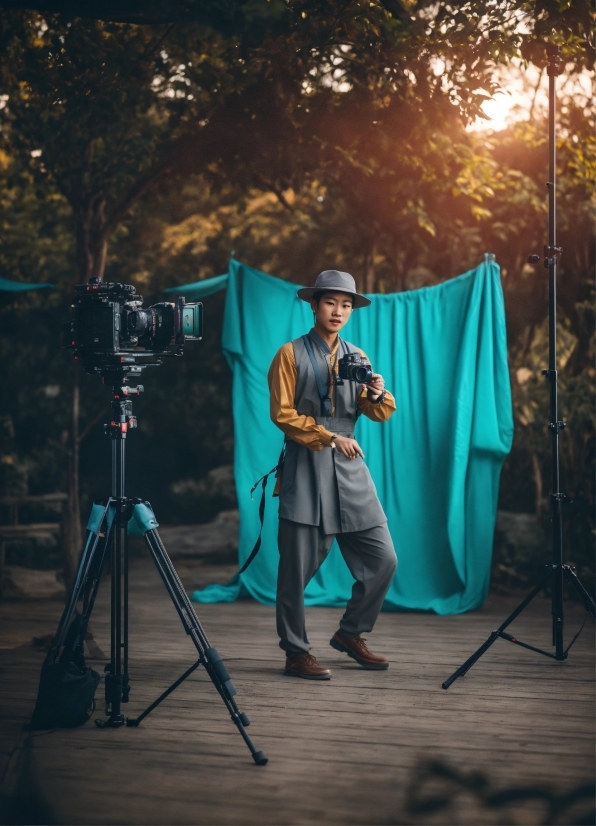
{"x": 443, "y": 353}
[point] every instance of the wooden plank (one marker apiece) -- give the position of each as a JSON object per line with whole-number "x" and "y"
{"x": 30, "y": 531}
{"x": 45, "y": 498}
{"x": 346, "y": 751}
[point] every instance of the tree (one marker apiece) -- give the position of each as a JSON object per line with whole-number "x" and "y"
{"x": 319, "y": 99}
{"x": 108, "y": 109}
{"x": 98, "y": 106}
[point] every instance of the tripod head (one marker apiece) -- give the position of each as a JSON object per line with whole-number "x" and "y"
{"x": 122, "y": 420}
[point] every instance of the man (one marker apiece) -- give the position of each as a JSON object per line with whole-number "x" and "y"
{"x": 326, "y": 491}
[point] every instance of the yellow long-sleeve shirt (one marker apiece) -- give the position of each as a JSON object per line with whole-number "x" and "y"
{"x": 282, "y": 379}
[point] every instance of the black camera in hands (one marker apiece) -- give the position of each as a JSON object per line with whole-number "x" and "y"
{"x": 355, "y": 368}
{"x": 114, "y": 336}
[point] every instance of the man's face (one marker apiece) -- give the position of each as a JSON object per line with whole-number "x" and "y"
{"x": 332, "y": 311}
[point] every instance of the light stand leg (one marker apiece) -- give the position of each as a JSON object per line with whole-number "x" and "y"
{"x": 498, "y": 633}
{"x": 585, "y": 597}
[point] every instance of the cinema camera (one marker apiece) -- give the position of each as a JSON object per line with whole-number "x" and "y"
{"x": 112, "y": 335}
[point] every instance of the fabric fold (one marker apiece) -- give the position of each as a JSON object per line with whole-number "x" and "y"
{"x": 436, "y": 463}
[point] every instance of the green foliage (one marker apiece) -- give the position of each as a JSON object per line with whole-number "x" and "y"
{"x": 297, "y": 135}
{"x": 35, "y": 226}
{"x": 97, "y": 111}
{"x": 531, "y": 455}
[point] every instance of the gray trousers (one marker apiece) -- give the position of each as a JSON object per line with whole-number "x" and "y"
{"x": 369, "y": 555}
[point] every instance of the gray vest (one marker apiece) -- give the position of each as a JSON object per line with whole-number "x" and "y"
{"x": 323, "y": 487}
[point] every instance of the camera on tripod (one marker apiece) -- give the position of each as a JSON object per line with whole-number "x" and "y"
{"x": 353, "y": 367}
{"x": 114, "y": 336}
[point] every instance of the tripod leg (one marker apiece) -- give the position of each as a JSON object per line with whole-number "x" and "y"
{"x": 496, "y": 634}
{"x": 87, "y": 557}
{"x": 55, "y": 694}
{"x": 584, "y": 595}
{"x": 208, "y": 656}
{"x": 92, "y": 582}
{"x": 134, "y": 723}
{"x": 98, "y": 533}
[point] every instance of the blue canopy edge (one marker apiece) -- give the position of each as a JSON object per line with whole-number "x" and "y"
{"x": 20, "y": 286}
{"x": 200, "y": 289}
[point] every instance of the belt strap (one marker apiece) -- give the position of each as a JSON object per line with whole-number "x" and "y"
{"x": 263, "y": 482}
{"x": 326, "y": 408}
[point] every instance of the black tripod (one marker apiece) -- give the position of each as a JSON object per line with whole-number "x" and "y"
{"x": 556, "y": 573}
{"x": 108, "y": 529}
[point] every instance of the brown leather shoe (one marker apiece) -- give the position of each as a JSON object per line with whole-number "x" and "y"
{"x": 305, "y": 666}
{"x": 356, "y": 648}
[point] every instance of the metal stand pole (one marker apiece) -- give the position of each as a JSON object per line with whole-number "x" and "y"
{"x": 117, "y": 685}
{"x": 557, "y": 571}
{"x": 551, "y": 252}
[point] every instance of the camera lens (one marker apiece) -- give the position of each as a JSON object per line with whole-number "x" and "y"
{"x": 139, "y": 321}
{"x": 362, "y": 374}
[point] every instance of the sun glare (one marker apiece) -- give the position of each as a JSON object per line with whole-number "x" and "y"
{"x": 520, "y": 87}
{"x": 523, "y": 91}
{"x": 497, "y": 111}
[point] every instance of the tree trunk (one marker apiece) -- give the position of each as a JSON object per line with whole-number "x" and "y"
{"x": 370, "y": 269}
{"x": 93, "y": 231}
{"x": 537, "y": 482}
{"x": 72, "y": 534}
{"x": 398, "y": 261}
{"x": 92, "y": 237}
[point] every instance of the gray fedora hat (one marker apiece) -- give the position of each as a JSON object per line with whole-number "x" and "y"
{"x": 335, "y": 281}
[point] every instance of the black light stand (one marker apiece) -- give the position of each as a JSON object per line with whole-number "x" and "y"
{"x": 108, "y": 528}
{"x": 556, "y": 573}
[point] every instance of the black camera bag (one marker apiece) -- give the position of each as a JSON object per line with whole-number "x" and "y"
{"x": 66, "y": 696}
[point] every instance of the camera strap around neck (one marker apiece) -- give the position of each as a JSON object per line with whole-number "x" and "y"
{"x": 326, "y": 405}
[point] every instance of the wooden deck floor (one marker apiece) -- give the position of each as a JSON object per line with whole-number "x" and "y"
{"x": 354, "y": 750}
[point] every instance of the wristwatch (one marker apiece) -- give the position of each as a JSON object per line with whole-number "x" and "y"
{"x": 378, "y": 400}
{"x": 333, "y": 438}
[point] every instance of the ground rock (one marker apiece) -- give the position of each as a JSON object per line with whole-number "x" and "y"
{"x": 522, "y": 532}
{"x": 218, "y": 484}
{"x": 521, "y": 548}
{"x": 31, "y": 583}
{"x": 213, "y": 542}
